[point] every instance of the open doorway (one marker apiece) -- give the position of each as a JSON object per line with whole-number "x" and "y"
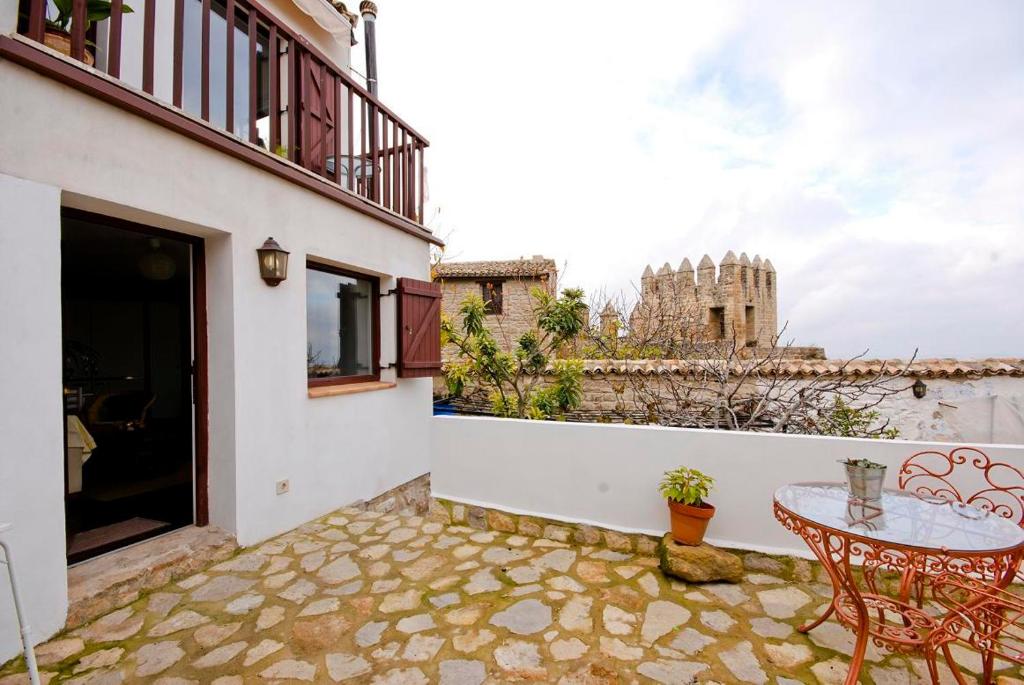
{"x": 128, "y": 314}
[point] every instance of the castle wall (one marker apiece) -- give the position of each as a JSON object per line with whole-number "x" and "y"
{"x": 737, "y": 300}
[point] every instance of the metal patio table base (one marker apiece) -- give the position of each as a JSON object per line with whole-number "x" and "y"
{"x": 901, "y": 534}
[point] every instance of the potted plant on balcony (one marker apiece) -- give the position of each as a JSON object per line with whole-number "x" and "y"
{"x": 58, "y": 35}
{"x": 686, "y": 490}
{"x": 864, "y": 478}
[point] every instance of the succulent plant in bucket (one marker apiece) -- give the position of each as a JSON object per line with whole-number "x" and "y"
{"x": 686, "y": 490}
{"x": 864, "y": 478}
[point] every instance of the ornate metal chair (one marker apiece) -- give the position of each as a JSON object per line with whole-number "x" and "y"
{"x": 965, "y": 475}
{"x": 981, "y": 617}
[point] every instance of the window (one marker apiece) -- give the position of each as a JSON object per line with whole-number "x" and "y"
{"x": 716, "y": 323}
{"x": 342, "y": 326}
{"x": 490, "y": 291}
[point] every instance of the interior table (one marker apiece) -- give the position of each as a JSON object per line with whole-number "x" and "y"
{"x": 902, "y": 533}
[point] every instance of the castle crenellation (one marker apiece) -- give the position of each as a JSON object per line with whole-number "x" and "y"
{"x": 737, "y": 299}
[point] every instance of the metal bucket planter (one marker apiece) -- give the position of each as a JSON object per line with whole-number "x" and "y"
{"x": 865, "y": 482}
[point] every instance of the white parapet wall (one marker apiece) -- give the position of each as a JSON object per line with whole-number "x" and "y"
{"x": 607, "y": 474}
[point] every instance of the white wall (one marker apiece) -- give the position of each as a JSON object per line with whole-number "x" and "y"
{"x": 263, "y": 425}
{"x": 987, "y": 409}
{"x": 607, "y": 475}
{"x": 31, "y": 444}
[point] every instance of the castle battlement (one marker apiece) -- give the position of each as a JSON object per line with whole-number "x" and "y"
{"x": 738, "y": 298}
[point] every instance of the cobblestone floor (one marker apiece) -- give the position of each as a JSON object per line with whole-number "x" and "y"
{"x": 361, "y": 597}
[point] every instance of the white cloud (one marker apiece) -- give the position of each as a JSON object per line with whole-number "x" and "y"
{"x": 873, "y": 150}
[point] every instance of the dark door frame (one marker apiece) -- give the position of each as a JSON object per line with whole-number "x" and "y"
{"x": 200, "y": 341}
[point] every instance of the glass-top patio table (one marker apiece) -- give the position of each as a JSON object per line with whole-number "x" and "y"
{"x": 910, "y": 536}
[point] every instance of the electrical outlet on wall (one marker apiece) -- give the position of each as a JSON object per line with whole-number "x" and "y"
{"x": 283, "y": 486}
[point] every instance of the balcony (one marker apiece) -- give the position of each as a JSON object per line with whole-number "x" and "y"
{"x": 260, "y": 92}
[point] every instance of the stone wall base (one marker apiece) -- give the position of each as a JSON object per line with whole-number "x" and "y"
{"x": 412, "y": 497}
{"x": 481, "y": 518}
{"x": 100, "y": 585}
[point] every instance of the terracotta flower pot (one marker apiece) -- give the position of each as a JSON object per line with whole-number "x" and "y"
{"x": 61, "y": 42}
{"x": 689, "y": 522}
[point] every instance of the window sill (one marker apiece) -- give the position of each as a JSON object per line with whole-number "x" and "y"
{"x": 349, "y": 388}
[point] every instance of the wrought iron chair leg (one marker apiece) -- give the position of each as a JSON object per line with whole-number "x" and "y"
{"x": 807, "y": 627}
{"x": 857, "y": 658}
{"x": 954, "y": 669}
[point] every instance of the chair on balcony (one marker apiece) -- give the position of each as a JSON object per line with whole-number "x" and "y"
{"x": 980, "y": 617}
{"x": 965, "y": 475}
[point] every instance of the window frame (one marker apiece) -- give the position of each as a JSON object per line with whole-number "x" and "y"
{"x": 375, "y": 334}
{"x": 498, "y": 286}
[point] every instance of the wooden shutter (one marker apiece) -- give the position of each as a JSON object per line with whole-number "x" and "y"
{"x": 419, "y": 328}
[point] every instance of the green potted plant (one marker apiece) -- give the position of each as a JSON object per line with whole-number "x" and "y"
{"x": 58, "y": 35}
{"x": 686, "y": 490}
{"x": 864, "y": 478}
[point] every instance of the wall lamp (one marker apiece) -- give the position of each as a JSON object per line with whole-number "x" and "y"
{"x": 919, "y": 388}
{"x": 273, "y": 262}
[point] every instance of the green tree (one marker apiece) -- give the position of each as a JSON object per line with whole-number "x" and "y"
{"x": 511, "y": 379}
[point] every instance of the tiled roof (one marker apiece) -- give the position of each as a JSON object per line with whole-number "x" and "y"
{"x": 920, "y": 368}
{"x": 511, "y": 268}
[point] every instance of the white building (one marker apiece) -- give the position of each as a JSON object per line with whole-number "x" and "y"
{"x": 192, "y": 392}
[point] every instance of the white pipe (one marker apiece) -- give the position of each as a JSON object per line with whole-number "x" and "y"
{"x": 26, "y": 630}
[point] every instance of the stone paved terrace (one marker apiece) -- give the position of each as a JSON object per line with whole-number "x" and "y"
{"x": 362, "y": 597}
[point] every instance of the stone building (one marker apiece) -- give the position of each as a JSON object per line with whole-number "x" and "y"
{"x": 739, "y": 302}
{"x": 504, "y": 285}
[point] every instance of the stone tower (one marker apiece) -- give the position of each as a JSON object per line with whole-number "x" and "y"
{"x": 737, "y": 300}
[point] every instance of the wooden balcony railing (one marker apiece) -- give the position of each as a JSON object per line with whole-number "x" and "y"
{"x": 235, "y": 65}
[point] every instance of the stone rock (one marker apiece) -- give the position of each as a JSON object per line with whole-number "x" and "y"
{"x": 690, "y": 641}
{"x": 220, "y": 655}
{"x": 593, "y": 572}
{"x": 320, "y": 633}
{"x": 567, "y": 650}
{"x": 618, "y": 622}
{"x": 260, "y": 651}
{"x": 472, "y": 640}
{"x": 321, "y": 606}
{"x": 339, "y": 570}
{"x": 557, "y": 560}
{"x": 759, "y": 562}
{"x": 788, "y": 655}
{"x": 566, "y": 584}
{"x": 220, "y": 588}
{"x": 416, "y": 624}
{"x": 832, "y": 672}
{"x": 662, "y": 618}
{"x": 586, "y": 535}
{"x": 290, "y": 669}
{"x": 423, "y": 567}
{"x": 56, "y": 651}
{"x": 101, "y": 659}
{"x": 161, "y": 603}
{"x": 501, "y": 522}
{"x": 520, "y": 659}
{"x": 269, "y": 617}
{"x": 244, "y": 604}
{"x": 464, "y": 616}
{"x": 154, "y": 657}
{"x": 670, "y": 672}
{"x": 783, "y": 602}
{"x": 525, "y": 617}
{"x": 422, "y": 647}
{"x": 591, "y": 674}
{"x": 730, "y": 594}
{"x": 344, "y": 666}
{"x": 699, "y": 563}
{"x": 401, "y": 601}
{"x": 617, "y": 649}
{"x": 557, "y": 533}
{"x": 649, "y": 584}
{"x": 522, "y": 575}
{"x": 618, "y": 541}
{"x": 114, "y": 627}
{"x": 462, "y": 672}
{"x": 401, "y": 676}
{"x": 740, "y": 660}
{"x": 299, "y": 591}
{"x": 766, "y": 627}
{"x": 211, "y": 635}
{"x": 530, "y": 528}
{"x": 370, "y": 633}
{"x": 482, "y": 581}
{"x": 575, "y": 615}
{"x": 717, "y": 620}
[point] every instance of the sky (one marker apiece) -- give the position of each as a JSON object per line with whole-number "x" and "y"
{"x": 874, "y": 151}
